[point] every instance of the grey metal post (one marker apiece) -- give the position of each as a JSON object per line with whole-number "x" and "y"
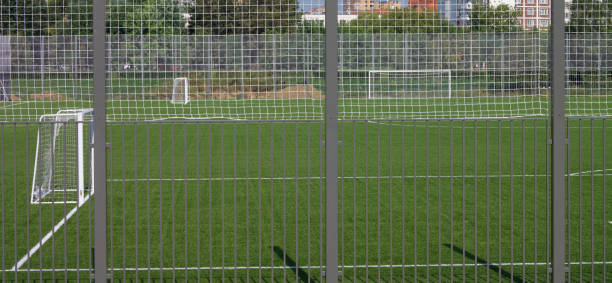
{"x": 274, "y": 64}
{"x": 557, "y": 45}
{"x": 5, "y": 68}
{"x": 99, "y": 100}
{"x": 242, "y": 66}
{"x": 503, "y": 73}
{"x": 331, "y": 140}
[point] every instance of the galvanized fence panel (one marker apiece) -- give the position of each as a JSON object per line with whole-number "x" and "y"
{"x": 216, "y": 200}
{"x": 50, "y": 239}
{"x": 234, "y": 141}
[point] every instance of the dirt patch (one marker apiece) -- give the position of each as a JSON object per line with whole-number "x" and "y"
{"x": 13, "y": 98}
{"x": 232, "y": 93}
{"x": 290, "y": 92}
{"x": 47, "y": 95}
{"x": 220, "y": 94}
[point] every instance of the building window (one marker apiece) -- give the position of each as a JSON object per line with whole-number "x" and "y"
{"x": 530, "y": 23}
{"x": 543, "y": 1}
{"x": 544, "y": 23}
{"x": 518, "y": 1}
{"x": 530, "y": 12}
{"x": 530, "y": 1}
{"x": 543, "y": 12}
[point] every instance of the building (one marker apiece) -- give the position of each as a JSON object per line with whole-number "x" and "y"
{"x": 457, "y": 12}
{"x": 317, "y": 11}
{"x": 423, "y": 5}
{"x": 534, "y": 13}
{"x": 318, "y": 14}
{"x": 495, "y": 3}
{"x": 356, "y": 7}
{"x": 568, "y": 13}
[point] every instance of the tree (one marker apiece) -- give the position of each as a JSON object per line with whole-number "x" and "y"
{"x": 246, "y": 16}
{"x": 590, "y": 16}
{"x": 77, "y": 18}
{"x": 494, "y": 19}
{"x": 216, "y": 16}
{"x": 406, "y": 20}
{"x": 147, "y": 17}
{"x": 30, "y": 17}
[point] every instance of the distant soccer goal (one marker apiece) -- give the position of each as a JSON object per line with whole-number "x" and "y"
{"x": 64, "y": 158}
{"x": 407, "y": 84}
{"x": 180, "y": 91}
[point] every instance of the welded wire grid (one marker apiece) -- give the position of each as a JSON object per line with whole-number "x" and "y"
{"x": 251, "y": 61}
{"x": 45, "y": 58}
{"x": 444, "y": 158}
{"x": 242, "y": 60}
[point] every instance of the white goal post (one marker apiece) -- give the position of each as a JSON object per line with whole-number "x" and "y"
{"x": 64, "y": 158}
{"x": 180, "y": 91}
{"x": 409, "y": 83}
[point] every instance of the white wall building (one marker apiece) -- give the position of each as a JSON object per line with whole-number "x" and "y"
{"x": 341, "y": 18}
{"x": 495, "y": 3}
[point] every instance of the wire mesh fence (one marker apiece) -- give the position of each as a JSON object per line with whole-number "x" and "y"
{"x": 280, "y": 76}
{"x": 274, "y": 141}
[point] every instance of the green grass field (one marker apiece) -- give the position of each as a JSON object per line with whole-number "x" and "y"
{"x": 425, "y": 197}
{"x": 219, "y": 95}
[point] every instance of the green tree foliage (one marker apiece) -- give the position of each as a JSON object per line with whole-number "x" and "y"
{"x": 216, "y": 16}
{"x": 76, "y": 19}
{"x": 30, "y": 17}
{"x": 494, "y": 19}
{"x": 246, "y": 16}
{"x": 399, "y": 21}
{"x": 146, "y": 17}
{"x": 590, "y": 16}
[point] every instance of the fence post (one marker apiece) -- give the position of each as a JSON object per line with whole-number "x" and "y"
{"x": 331, "y": 141}
{"x": 99, "y": 120}
{"x": 557, "y": 45}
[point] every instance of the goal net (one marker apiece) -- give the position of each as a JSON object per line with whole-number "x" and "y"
{"x": 180, "y": 91}
{"x": 409, "y": 83}
{"x": 62, "y": 152}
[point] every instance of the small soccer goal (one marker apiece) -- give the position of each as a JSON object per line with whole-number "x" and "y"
{"x": 64, "y": 158}
{"x": 406, "y": 84}
{"x": 180, "y": 91}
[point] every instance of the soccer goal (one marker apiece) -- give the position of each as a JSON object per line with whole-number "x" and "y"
{"x": 409, "y": 83}
{"x": 180, "y": 91}
{"x": 64, "y": 158}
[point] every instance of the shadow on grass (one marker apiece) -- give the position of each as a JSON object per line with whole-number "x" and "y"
{"x": 289, "y": 262}
{"x": 496, "y": 268}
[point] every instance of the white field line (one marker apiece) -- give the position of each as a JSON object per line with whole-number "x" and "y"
{"x": 190, "y": 118}
{"x": 585, "y": 174}
{"x": 48, "y": 236}
{"x": 409, "y": 124}
{"x": 589, "y": 172}
{"x": 492, "y": 126}
{"x": 12, "y": 104}
{"x": 313, "y": 266}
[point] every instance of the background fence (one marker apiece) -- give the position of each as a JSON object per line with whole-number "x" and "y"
{"x": 244, "y": 141}
{"x": 514, "y": 51}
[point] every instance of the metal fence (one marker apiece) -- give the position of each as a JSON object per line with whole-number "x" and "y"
{"x": 513, "y": 51}
{"x": 234, "y": 141}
